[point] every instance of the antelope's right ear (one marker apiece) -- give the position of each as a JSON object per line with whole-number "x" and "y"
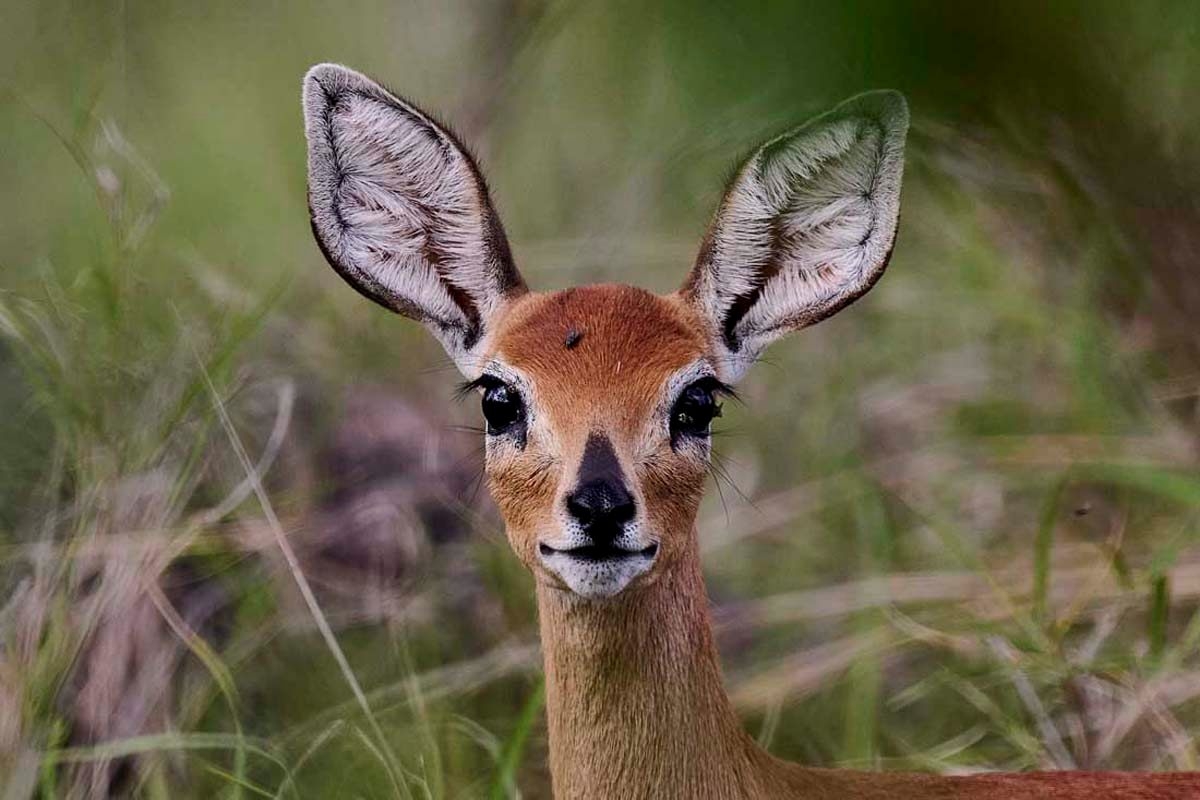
{"x": 402, "y": 213}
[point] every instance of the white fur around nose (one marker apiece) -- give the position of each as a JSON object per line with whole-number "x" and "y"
{"x": 806, "y": 228}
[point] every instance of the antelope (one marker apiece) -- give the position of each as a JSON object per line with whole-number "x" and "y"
{"x": 598, "y": 402}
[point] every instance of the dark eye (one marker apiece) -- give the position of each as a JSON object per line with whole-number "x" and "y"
{"x": 694, "y": 410}
{"x": 502, "y": 408}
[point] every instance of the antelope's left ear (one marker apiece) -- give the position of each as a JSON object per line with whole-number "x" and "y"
{"x": 805, "y": 229}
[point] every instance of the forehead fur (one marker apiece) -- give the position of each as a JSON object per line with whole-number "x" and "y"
{"x": 586, "y": 340}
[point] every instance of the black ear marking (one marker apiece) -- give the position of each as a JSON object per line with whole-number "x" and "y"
{"x": 741, "y": 304}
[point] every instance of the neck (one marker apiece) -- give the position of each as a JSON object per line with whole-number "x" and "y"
{"x": 634, "y": 695}
{"x": 637, "y": 709}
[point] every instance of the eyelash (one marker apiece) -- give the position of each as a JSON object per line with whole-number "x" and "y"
{"x": 467, "y": 388}
{"x": 711, "y": 384}
{"x": 502, "y": 406}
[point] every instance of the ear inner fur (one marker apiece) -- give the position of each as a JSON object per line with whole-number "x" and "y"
{"x": 401, "y": 211}
{"x": 805, "y": 228}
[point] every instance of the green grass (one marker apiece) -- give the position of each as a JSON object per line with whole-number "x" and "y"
{"x": 964, "y": 529}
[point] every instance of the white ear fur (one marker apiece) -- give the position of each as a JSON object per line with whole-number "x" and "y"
{"x": 401, "y": 211}
{"x": 806, "y": 228}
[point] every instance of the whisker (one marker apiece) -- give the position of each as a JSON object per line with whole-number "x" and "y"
{"x": 767, "y": 362}
{"x": 476, "y": 456}
{"x": 473, "y": 429}
{"x": 443, "y": 365}
{"x": 717, "y": 482}
{"x": 476, "y": 483}
{"x": 718, "y": 466}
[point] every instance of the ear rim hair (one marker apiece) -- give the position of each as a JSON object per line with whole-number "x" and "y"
{"x": 706, "y": 289}
{"x": 460, "y": 327}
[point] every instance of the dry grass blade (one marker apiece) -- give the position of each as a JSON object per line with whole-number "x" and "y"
{"x": 805, "y": 672}
{"x": 23, "y": 775}
{"x": 505, "y": 661}
{"x": 1092, "y": 585}
{"x": 293, "y": 563}
{"x": 1033, "y": 704}
{"x": 1169, "y": 691}
{"x": 283, "y": 419}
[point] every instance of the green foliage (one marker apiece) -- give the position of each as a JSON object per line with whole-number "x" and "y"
{"x": 962, "y": 531}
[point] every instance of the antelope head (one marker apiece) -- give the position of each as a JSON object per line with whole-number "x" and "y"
{"x": 598, "y": 400}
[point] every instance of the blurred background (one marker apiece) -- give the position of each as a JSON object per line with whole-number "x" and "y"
{"x": 243, "y": 546}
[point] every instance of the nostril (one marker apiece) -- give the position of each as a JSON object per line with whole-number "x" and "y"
{"x": 580, "y": 508}
{"x": 623, "y": 512}
{"x": 601, "y": 507}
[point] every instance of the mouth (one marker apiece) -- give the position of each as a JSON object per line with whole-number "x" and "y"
{"x": 595, "y": 553}
{"x": 597, "y": 571}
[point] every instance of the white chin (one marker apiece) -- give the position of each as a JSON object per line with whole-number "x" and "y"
{"x": 597, "y": 580}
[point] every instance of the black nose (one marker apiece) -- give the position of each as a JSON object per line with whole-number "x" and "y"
{"x": 601, "y": 508}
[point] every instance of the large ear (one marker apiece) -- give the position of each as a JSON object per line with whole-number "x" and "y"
{"x": 805, "y": 229}
{"x": 402, "y": 213}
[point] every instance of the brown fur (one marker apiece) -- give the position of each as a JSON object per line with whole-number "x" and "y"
{"x": 625, "y": 335}
{"x": 635, "y": 700}
{"x": 627, "y": 341}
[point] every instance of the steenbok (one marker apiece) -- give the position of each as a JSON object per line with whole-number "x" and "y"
{"x": 598, "y": 402}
